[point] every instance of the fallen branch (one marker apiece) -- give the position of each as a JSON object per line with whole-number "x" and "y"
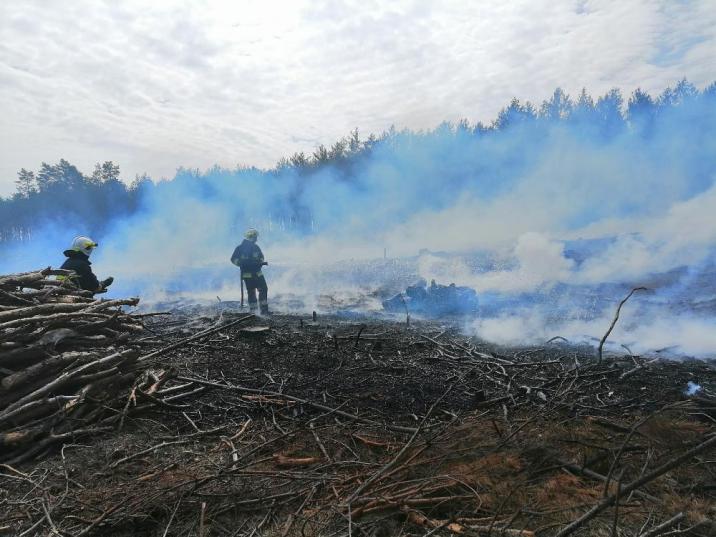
{"x": 200, "y": 335}
{"x": 661, "y": 470}
{"x": 616, "y": 318}
{"x": 656, "y": 530}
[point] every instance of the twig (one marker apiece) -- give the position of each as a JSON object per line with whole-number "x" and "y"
{"x": 174, "y": 512}
{"x": 49, "y": 519}
{"x": 200, "y": 335}
{"x": 360, "y": 331}
{"x": 298, "y": 400}
{"x": 637, "y": 368}
{"x": 145, "y": 451}
{"x": 656, "y": 530}
{"x": 191, "y": 422}
{"x": 629, "y": 436}
{"x": 202, "y": 520}
{"x": 615, "y": 522}
{"x": 395, "y": 459}
{"x": 318, "y": 441}
{"x": 669, "y": 465}
{"x": 616, "y": 318}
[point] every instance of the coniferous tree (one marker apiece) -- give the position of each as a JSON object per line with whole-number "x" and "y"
{"x": 515, "y": 114}
{"x": 682, "y": 93}
{"x": 338, "y": 150}
{"x": 558, "y": 107}
{"x": 609, "y": 113}
{"x": 299, "y": 160}
{"x": 321, "y": 155}
{"x": 354, "y": 145}
{"x": 641, "y": 111}
{"x": 105, "y": 172}
{"x": 26, "y": 183}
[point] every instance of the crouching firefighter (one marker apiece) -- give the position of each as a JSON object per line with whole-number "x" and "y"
{"x": 78, "y": 262}
{"x": 249, "y": 258}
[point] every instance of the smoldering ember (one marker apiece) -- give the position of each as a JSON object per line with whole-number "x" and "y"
{"x": 495, "y": 316}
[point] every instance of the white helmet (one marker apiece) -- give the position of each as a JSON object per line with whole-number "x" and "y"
{"x": 84, "y": 245}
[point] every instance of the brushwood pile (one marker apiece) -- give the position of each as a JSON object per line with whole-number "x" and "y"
{"x": 214, "y": 422}
{"x": 68, "y": 364}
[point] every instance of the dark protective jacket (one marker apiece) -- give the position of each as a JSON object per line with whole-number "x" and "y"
{"x": 249, "y": 258}
{"x": 84, "y": 278}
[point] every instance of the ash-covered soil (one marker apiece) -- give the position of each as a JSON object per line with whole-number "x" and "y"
{"x": 396, "y": 371}
{"x": 333, "y": 426}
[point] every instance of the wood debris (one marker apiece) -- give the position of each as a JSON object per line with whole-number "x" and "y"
{"x": 408, "y": 431}
{"x": 68, "y": 364}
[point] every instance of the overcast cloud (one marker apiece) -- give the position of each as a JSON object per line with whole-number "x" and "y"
{"x": 157, "y": 85}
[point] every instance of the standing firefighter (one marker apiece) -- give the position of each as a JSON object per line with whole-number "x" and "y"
{"x": 249, "y": 258}
{"x": 78, "y": 262}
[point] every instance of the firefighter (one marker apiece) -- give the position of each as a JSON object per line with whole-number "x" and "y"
{"x": 78, "y": 262}
{"x": 249, "y": 258}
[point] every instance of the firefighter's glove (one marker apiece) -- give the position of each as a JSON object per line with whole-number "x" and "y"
{"x": 106, "y": 283}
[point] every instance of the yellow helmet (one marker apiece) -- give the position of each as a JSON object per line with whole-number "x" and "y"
{"x": 251, "y": 234}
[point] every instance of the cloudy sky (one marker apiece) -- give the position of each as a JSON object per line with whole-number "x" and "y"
{"x": 161, "y": 84}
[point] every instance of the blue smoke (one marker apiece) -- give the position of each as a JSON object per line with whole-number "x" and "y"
{"x": 566, "y": 207}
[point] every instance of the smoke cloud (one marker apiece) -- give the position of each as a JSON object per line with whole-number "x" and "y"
{"x": 550, "y": 217}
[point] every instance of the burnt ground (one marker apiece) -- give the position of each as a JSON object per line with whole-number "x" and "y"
{"x": 370, "y": 427}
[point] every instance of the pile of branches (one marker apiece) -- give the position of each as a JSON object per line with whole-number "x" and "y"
{"x": 66, "y": 360}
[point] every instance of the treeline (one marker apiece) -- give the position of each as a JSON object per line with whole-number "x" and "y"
{"x": 603, "y": 118}
{"x": 60, "y": 194}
